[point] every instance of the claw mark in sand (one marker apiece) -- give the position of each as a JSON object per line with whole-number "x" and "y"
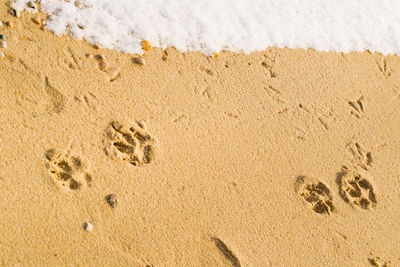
{"x": 323, "y": 116}
{"x": 357, "y": 108}
{"x": 90, "y": 100}
{"x": 274, "y": 94}
{"x": 73, "y": 57}
{"x": 385, "y": 70}
{"x": 269, "y": 67}
{"x": 228, "y": 254}
{"x": 361, "y": 157}
{"x": 70, "y": 59}
{"x": 269, "y": 64}
{"x": 206, "y": 93}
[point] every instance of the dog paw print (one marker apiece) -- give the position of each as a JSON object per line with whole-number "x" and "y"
{"x": 132, "y": 143}
{"x": 356, "y": 189}
{"x": 316, "y": 194}
{"x": 71, "y": 171}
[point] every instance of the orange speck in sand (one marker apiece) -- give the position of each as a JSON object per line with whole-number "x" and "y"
{"x": 145, "y": 45}
{"x": 216, "y": 54}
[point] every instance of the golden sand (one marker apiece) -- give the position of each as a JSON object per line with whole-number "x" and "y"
{"x": 284, "y": 157}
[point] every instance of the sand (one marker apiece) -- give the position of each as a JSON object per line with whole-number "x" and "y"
{"x": 282, "y": 157}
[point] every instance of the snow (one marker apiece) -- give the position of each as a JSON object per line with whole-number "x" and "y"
{"x": 210, "y": 26}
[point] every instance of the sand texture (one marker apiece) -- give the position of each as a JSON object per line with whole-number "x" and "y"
{"x": 282, "y": 157}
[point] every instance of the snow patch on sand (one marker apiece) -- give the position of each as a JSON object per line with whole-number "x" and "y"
{"x": 210, "y": 26}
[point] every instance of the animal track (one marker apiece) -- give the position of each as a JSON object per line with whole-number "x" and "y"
{"x": 57, "y": 98}
{"x": 325, "y": 117}
{"x": 132, "y": 144}
{"x": 274, "y": 94}
{"x": 269, "y": 64}
{"x": 269, "y": 68}
{"x": 357, "y": 108}
{"x": 356, "y": 189}
{"x": 207, "y": 71}
{"x": 316, "y": 194}
{"x": 70, "y": 59}
{"x": 361, "y": 157}
{"x": 90, "y": 100}
{"x": 69, "y": 170}
{"x": 207, "y": 92}
{"x": 385, "y": 70}
{"x": 228, "y": 254}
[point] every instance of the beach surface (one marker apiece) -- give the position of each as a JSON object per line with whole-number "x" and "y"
{"x": 283, "y": 157}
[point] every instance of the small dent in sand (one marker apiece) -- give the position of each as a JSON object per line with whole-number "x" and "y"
{"x": 112, "y": 200}
{"x": 139, "y": 61}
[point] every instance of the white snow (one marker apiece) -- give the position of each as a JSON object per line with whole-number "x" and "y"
{"x": 210, "y": 26}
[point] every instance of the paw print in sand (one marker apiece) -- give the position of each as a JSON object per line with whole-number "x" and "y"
{"x": 69, "y": 170}
{"x": 356, "y": 189}
{"x": 316, "y": 194}
{"x": 132, "y": 143}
